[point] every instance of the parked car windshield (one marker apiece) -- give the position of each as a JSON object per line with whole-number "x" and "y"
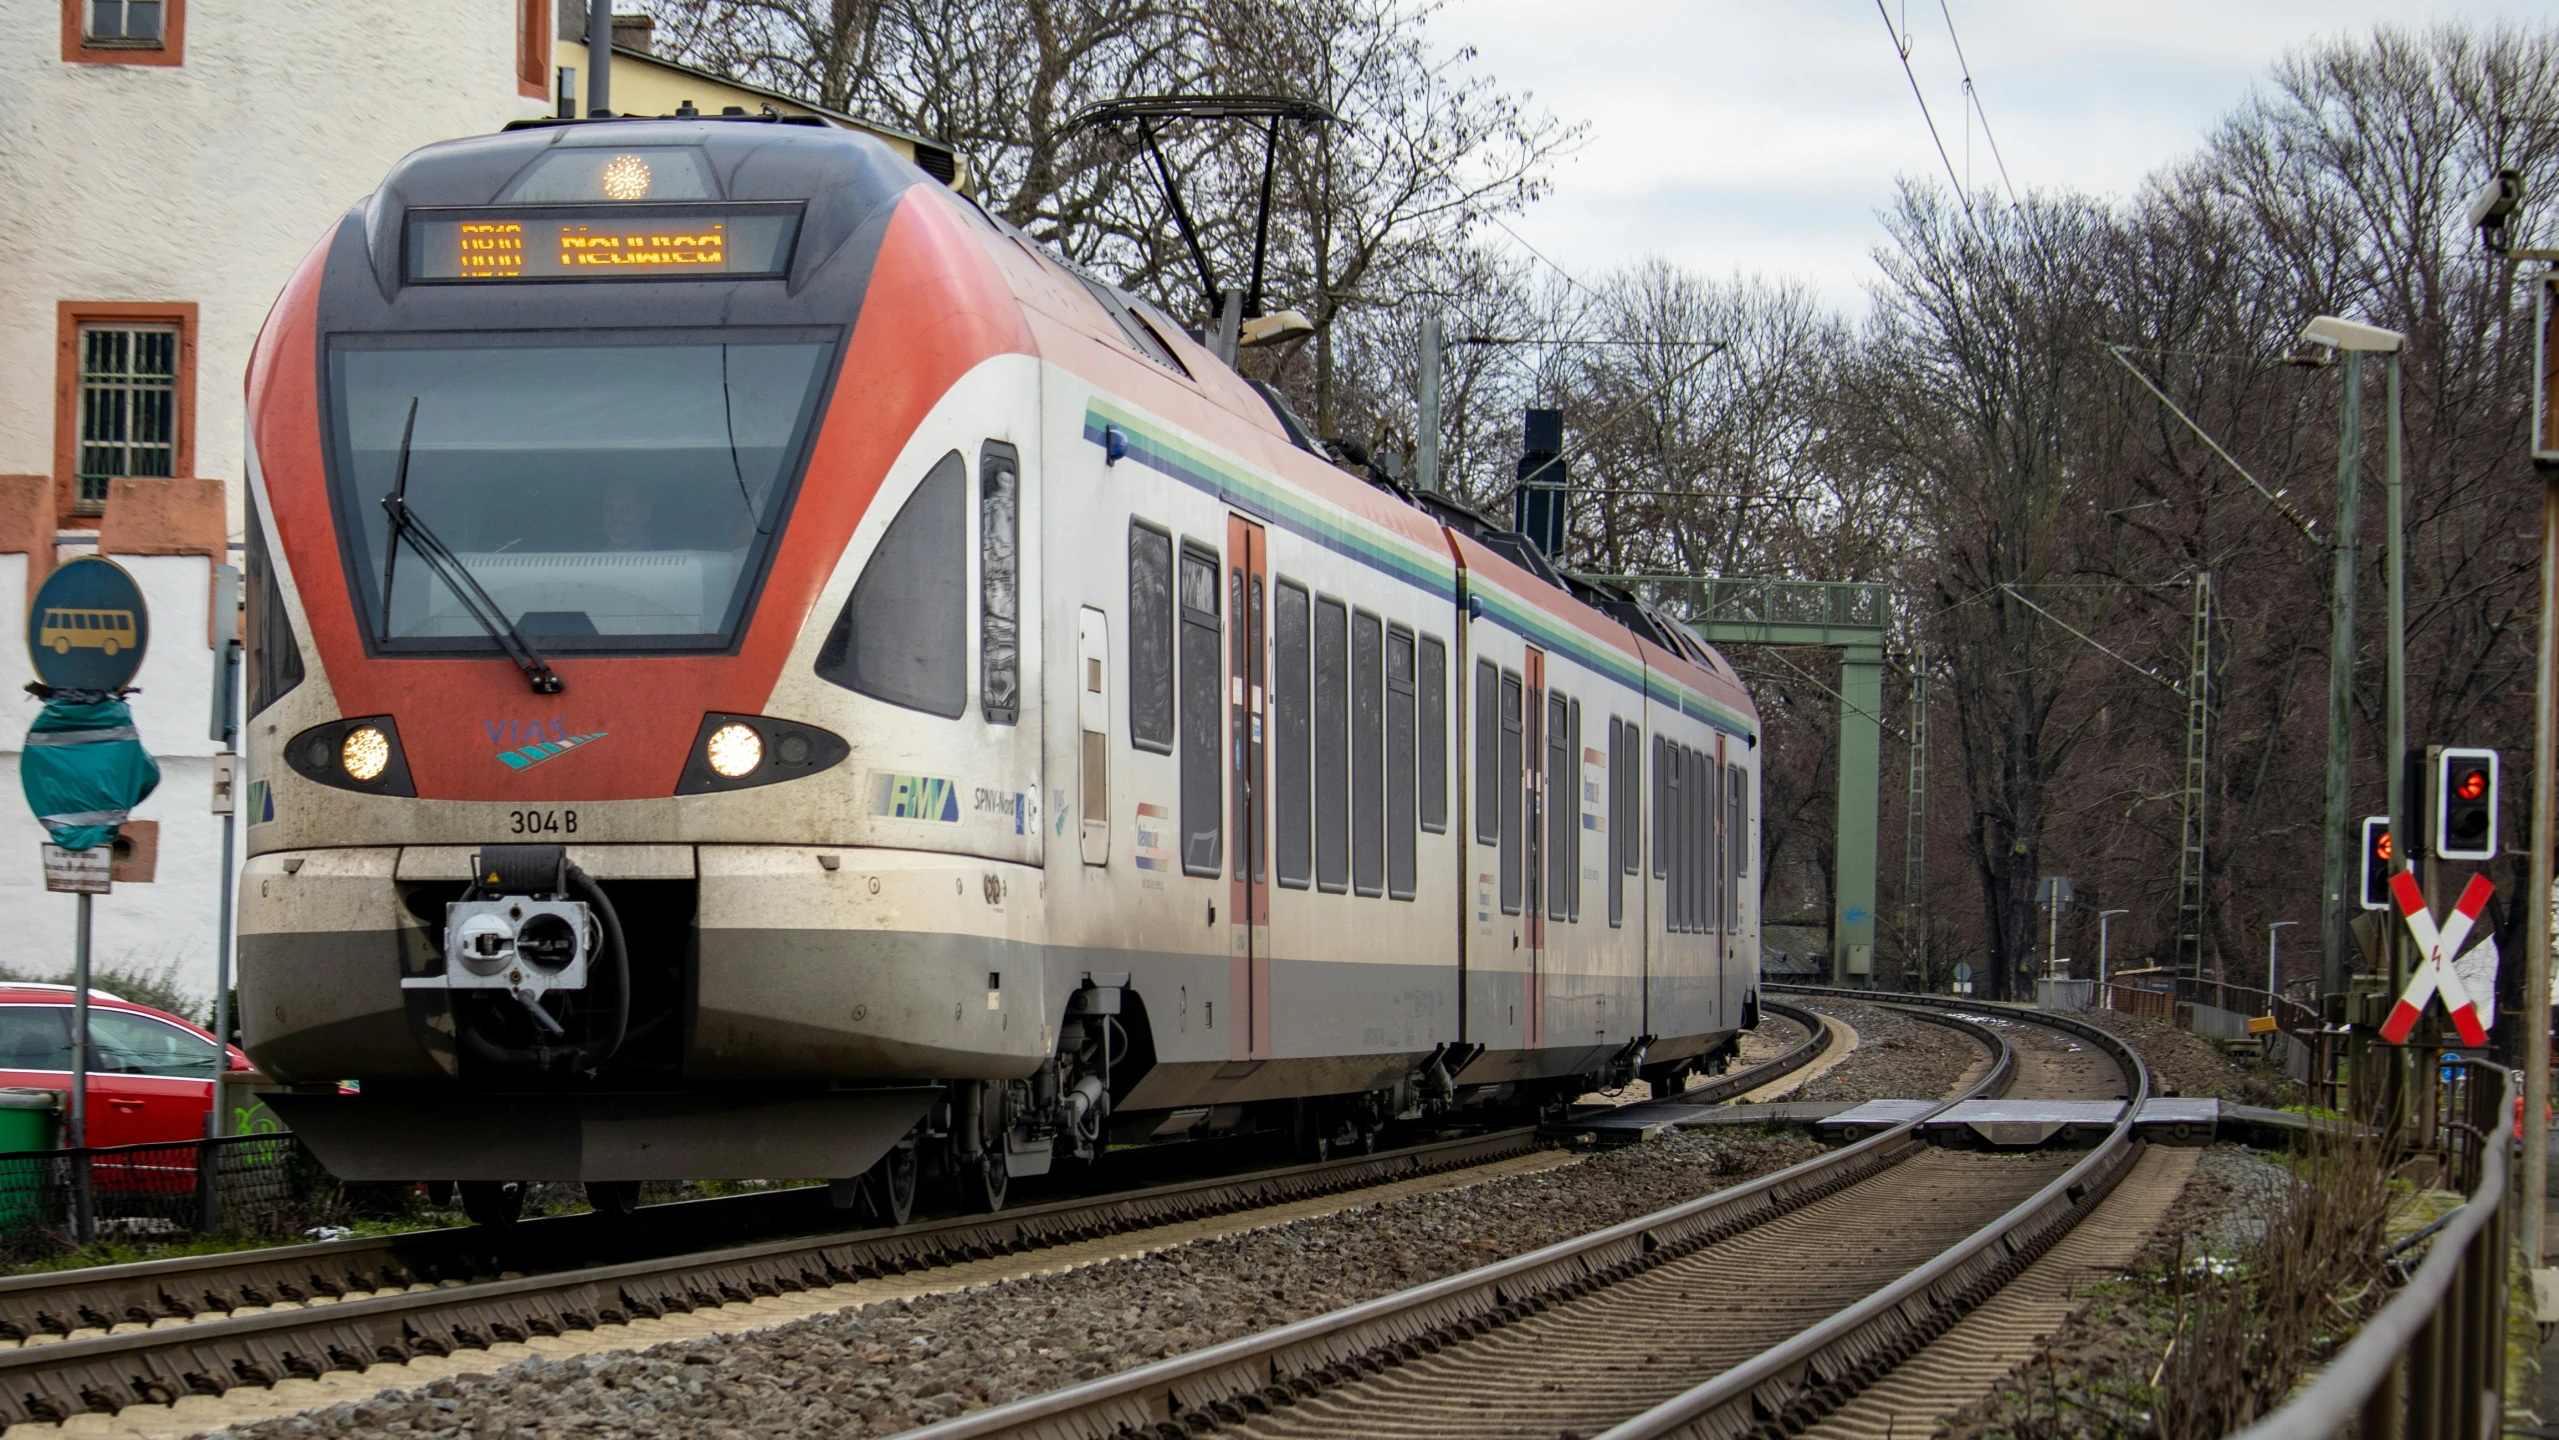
{"x": 35, "y": 1037}
{"x": 124, "y": 1043}
{"x": 38, "y": 1037}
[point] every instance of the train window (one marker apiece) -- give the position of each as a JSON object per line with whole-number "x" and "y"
{"x": 1332, "y": 746}
{"x": 1628, "y": 768}
{"x": 1434, "y": 735}
{"x": 1488, "y": 753}
{"x": 1291, "y": 732}
{"x": 1712, "y": 819}
{"x": 1508, "y": 782}
{"x": 1368, "y": 755}
{"x": 1671, "y": 823}
{"x": 1616, "y": 821}
{"x": 1701, "y": 841}
{"x": 1399, "y": 763}
{"x": 275, "y": 656}
{"x": 903, "y": 634}
{"x": 1741, "y": 820}
{"x": 999, "y": 568}
{"x": 1661, "y": 807}
{"x": 1203, "y": 716}
{"x": 611, "y": 498}
{"x": 1736, "y": 844}
{"x": 1573, "y": 821}
{"x": 1560, "y": 807}
{"x": 1150, "y": 638}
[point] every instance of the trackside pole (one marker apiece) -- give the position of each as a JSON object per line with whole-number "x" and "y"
{"x": 2545, "y": 789}
{"x": 2536, "y": 967}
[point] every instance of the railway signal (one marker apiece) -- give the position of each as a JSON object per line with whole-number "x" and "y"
{"x": 2462, "y": 799}
{"x": 2377, "y": 866}
{"x": 2436, "y": 972}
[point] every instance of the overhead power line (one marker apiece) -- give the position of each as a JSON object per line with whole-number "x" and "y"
{"x": 1901, "y": 48}
{"x": 2308, "y": 526}
{"x": 1972, "y": 93}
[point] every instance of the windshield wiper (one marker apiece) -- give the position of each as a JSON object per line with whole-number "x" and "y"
{"x": 457, "y": 577}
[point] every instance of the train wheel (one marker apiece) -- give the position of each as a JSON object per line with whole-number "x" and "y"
{"x": 983, "y": 1183}
{"x": 892, "y": 1184}
{"x": 495, "y": 1204}
{"x": 614, "y": 1199}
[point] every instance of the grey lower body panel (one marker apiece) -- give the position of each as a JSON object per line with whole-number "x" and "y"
{"x": 800, "y": 1003}
{"x": 326, "y": 1004}
{"x": 1496, "y": 1067}
{"x": 1682, "y": 1047}
{"x": 1170, "y": 1085}
{"x": 467, "y": 1135}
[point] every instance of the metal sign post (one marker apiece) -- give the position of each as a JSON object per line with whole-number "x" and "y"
{"x": 225, "y": 731}
{"x": 2052, "y": 892}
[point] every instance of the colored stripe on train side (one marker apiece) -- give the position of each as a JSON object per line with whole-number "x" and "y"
{"x": 1272, "y": 500}
{"x": 1167, "y": 455}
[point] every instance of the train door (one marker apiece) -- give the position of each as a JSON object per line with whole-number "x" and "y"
{"x": 1534, "y": 839}
{"x": 1249, "y": 896}
{"x": 1093, "y": 724}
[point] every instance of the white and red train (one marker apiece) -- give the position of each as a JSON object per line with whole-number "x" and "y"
{"x": 757, "y": 669}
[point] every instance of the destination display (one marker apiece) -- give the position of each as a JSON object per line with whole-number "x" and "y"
{"x": 616, "y": 242}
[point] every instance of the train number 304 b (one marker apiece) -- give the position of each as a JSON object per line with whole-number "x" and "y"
{"x": 542, "y": 822}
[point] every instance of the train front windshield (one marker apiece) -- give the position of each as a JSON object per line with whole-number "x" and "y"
{"x": 608, "y": 497}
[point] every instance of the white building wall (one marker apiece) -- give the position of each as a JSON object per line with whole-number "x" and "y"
{"x": 207, "y": 182}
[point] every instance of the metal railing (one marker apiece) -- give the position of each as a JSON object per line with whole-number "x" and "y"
{"x": 255, "y": 1185}
{"x": 2431, "y": 1365}
{"x": 2159, "y": 997}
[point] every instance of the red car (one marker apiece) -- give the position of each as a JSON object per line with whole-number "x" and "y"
{"x": 150, "y": 1073}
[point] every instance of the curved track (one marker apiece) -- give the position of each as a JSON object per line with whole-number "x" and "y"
{"x": 1619, "y": 1327}
{"x": 350, "y": 1304}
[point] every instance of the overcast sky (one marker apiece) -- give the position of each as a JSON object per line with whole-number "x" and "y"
{"x": 1765, "y": 135}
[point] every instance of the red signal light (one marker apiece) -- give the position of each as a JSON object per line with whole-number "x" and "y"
{"x": 2381, "y": 846}
{"x": 2472, "y": 785}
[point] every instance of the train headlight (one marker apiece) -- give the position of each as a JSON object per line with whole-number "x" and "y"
{"x": 365, "y": 754}
{"x": 360, "y": 753}
{"x": 734, "y": 751}
{"x": 739, "y": 752}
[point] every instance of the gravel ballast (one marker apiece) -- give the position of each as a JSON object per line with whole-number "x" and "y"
{"x": 1897, "y": 1057}
{"x": 892, "y": 1366}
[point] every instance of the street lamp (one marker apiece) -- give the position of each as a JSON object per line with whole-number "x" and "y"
{"x": 2357, "y": 340}
{"x": 2101, "y": 946}
{"x": 2270, "y": 961}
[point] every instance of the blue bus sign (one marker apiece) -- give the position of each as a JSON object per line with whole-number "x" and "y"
{"x": 88, "y": 627}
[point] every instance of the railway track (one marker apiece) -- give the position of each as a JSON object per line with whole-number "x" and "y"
{"x": 1636, "y": 1330}
{"x": 200, "y": 1325}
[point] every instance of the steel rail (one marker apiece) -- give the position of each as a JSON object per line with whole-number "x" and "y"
{"x": 55, "y": 1380}
{"x": 1817, "y": 1368}
{"x": 52, "y": 1380}
{"x": 1275, "y": 1366}
{"x": 46, "y": 1305}
{"x": 1817, "y": 1042}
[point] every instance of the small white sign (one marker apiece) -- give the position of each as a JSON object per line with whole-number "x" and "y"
{"x": 77, "y": 872}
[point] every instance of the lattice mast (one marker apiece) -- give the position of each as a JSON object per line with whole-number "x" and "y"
{"x": 2190, "y": 845}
